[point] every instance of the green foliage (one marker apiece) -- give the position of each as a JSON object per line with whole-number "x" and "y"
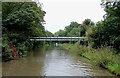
{"x": 24, "y": 21}
{"x": 21, "y": 20}
{"x": 107, "y": 32}
{"x": 88, "y": 22}
{"x": 49, "y": 34}
{"x": 104, "y": 57}
{"x": 77, "y": 43}
{"x": 60, "y": 33}
{"x": 75, "y": 32}
{"x": 5, "y": 41}
{"x": 69, "y": 31}
{"x": 75, "y": 29}
{"x": 97, "y": 35}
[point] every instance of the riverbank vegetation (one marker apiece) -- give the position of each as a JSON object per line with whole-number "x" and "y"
{"x": 103, "y": 46}
{"x": 21, "y": 20}
{"x": 104, "y": 57}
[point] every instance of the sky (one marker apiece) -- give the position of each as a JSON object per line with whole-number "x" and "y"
{"x": 59, "y": 13}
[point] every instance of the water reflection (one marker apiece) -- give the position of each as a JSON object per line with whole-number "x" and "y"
{"x": 52, "y": 61}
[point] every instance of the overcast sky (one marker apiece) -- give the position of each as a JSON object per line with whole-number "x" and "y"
{"x": 59, "y": 13}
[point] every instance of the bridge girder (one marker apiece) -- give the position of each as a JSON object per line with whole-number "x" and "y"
{"x": 57, "y": 38}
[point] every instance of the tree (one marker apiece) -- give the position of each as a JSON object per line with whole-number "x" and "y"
{"x": 21, "y": 20}
{"x": 107, "y": 32}
{"x": 88, "y": 22}
{"x": 49, "y": 34}
{"x": 24, "y": 18}
{"x": 75, "y": 32}
{"x": 75, "y": 29}
{"x": 60, "y": 33}
{"x": 71, "y": 26}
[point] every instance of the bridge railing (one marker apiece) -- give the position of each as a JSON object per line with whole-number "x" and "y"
{"x": 57, "y": 38}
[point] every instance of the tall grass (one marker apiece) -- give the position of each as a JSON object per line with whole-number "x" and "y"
{"x": 104, "y": 57}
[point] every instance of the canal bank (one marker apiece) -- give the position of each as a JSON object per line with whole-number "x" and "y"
{"x": 52, "y": 61}
{"x": 103, "y": 57}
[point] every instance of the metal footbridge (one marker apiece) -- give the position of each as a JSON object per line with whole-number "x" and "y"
{"x": 57, "y": 38}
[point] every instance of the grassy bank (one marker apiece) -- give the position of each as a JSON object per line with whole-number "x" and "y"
{"x": 103, "y": 57}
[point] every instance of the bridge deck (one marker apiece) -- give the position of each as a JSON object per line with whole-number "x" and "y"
{"x": 57, "y": 38}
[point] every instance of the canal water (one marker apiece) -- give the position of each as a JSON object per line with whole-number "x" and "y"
{"x": 52, "y": 61}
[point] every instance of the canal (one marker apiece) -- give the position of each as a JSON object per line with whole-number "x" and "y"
{"x": 52, "y": 61}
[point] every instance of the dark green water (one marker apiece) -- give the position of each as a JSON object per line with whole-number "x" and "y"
{"x": 52, "y": 61}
